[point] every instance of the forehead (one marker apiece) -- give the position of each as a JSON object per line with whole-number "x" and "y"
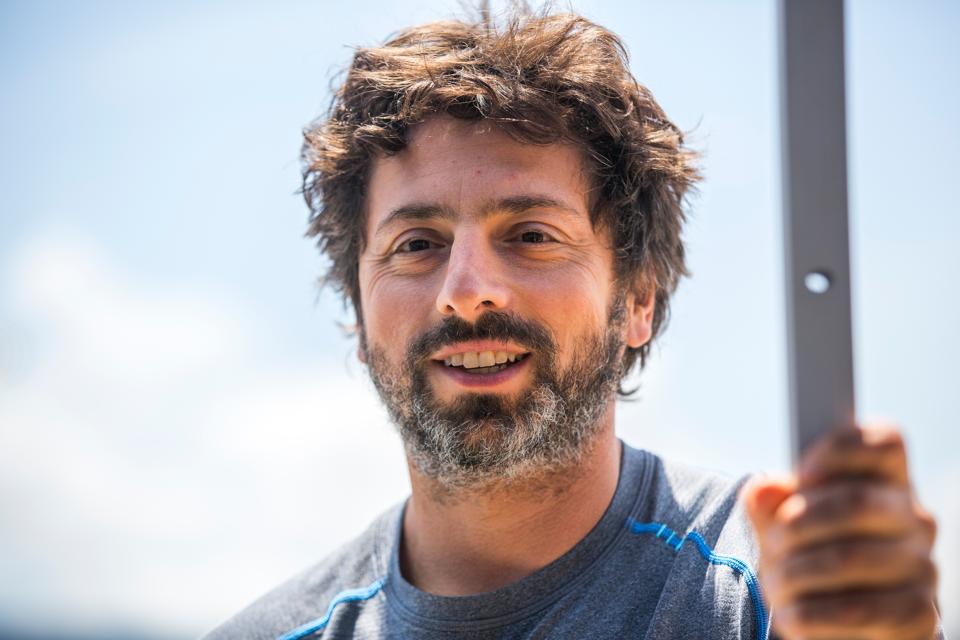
{"x": 464, "y": 165}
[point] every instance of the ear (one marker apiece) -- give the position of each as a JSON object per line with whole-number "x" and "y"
{"x": 640, "y": 305}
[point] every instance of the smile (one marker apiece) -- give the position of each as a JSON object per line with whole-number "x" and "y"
{"x": 481, "y": 375}
{"x": 479, "y": 362}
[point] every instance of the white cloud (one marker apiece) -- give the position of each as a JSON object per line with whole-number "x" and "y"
{"x": 149, "y": 455}
{"x": 109, "y": 326}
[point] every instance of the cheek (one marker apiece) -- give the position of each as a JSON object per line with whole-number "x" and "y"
{"x": 571, "y": 303}
{"x": 393, "y": 308}
{"x": 573, "y": 294}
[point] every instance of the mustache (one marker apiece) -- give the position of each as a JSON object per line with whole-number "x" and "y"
{"x": 492, "y": 325}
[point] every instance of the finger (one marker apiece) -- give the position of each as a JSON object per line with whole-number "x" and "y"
{"x": 762, "y": 496}
{"x": 849, "y": 509}
{"x": 875, "y": 451}
{"x": 926, "y": 522}
{"x": 849, "y": 565}
{"x": 902, "y": 612}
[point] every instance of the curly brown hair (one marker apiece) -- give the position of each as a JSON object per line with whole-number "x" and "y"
{"x": 544, "y": 78}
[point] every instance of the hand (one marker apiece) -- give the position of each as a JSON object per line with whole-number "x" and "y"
{"x": 844, "y": 544}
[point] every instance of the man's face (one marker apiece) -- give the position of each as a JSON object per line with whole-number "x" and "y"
{"x": 491, "y": 321}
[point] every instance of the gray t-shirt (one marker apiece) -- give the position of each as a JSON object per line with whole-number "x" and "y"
{"x": 673, "y": 557}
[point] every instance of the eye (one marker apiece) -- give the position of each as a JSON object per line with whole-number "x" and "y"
{"x": 534, "y": 237}
{"x": 415, "y": 244}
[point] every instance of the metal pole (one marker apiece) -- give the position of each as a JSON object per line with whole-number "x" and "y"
{"x": 813, "y": 127}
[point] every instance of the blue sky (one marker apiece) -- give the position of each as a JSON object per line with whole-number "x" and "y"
{"x": 182, "y": 421}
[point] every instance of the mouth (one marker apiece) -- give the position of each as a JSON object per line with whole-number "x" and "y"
{"x": 483, "y": 362}
{"x": 469, "y": 366}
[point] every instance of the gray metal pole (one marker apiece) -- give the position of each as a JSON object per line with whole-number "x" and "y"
{"x": 815, "y": 219}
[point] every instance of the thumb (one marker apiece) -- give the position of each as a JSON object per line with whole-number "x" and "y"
{"x": 763, "y": 495}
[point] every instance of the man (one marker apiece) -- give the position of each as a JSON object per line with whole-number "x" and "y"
{"x": 503, "y": 205}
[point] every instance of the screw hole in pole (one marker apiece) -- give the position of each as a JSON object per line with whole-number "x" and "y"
{"x": 817, "y": 282}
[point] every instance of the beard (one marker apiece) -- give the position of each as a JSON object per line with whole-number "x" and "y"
{"x": 485, "y": 440}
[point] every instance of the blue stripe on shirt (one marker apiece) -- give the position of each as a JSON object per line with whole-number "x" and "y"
{"x": 350, "y": 595}
{"x": 675, "y": 542}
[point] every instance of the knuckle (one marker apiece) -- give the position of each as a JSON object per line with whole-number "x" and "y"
{"x": 890, "y": 438}
{"x": 842, "y": 443}
{"x": 914, "y": 566}
{"x": 851, "y": 500}
{"x": 881, "y": 432}
{"x": 856, "y": 612}
{"x": 821, "y": 506}
{"x": 894, "y": 450}
{"x": 929, "y": 573}
{"x": 830, "y": 505}
{"x": 845, "y": 612}
{"x": 860, "y": 554}
{"x": 886, "y": 441}
{"x": 855, "y": 498}
{"x": 828, "y": 558}
{"x": 927, "y": 523}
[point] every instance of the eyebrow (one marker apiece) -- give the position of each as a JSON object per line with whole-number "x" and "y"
{"x": 514, "y": 205}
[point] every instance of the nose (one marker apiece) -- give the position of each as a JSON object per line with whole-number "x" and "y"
{"x": 474, "y": 280}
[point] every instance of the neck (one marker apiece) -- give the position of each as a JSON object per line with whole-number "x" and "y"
{"x": 478, "y": 541}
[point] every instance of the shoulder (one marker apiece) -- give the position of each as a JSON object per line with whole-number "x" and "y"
{"x": 356, "y": 569}
{"x": 697, "y": 527}
{"x": 689, "y": 499}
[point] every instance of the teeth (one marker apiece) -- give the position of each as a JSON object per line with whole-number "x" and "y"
{"x": 476, "y": 359}
{"x": 493, "y": 369}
